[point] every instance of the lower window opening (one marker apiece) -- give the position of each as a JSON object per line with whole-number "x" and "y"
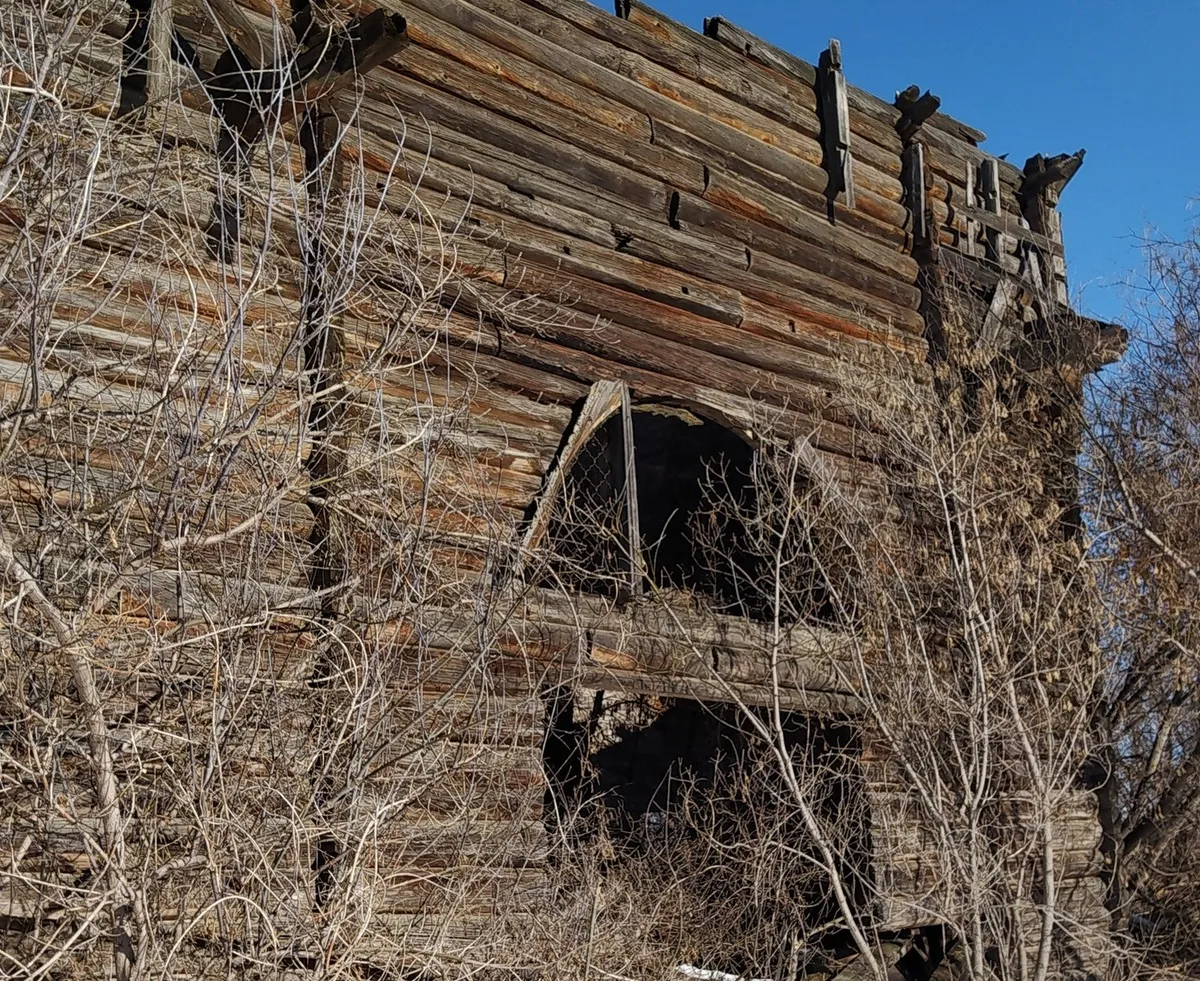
{"x": 685, "y": 800}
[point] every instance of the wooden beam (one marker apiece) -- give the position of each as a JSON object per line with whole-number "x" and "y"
{"x": 915, "y": 109}
{"x": 913, "y": 177}
{"x": 835, "y": 120}
{"x": 989, "y": 185}
{"x": 158, "y": 51}
{"x": 258, "y": 50}
{"x": 633, "y": 519}
{"x": 336, "y": 59}
{"x": 993, "y": 332}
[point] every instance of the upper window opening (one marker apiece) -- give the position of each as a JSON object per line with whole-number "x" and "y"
{"x": 657, "y": 497}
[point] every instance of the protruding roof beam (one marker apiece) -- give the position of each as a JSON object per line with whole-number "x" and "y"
{"x": 1045, "y": 179}
{"x": 1049, "y": 175}
{"x": 914, "y": 108}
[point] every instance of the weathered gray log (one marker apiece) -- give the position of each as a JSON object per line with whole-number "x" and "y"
{"x": 835, "y": 122}
{"x": 914, "y": 190}
{"x": 786, "y": 175}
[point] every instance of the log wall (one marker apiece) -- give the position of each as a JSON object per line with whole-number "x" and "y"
{"x": 625, "y": 198}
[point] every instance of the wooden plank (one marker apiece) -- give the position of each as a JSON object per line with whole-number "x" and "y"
{"x": 786, "y": 174}
{"x": 914, "y": 189}
{"x": 835, "y": 117}
{"x": 637, "y": 566}
{"x": 992, "y": 333}
{"x": 642, "y": 85}
{"x": 824, "y": 256}
{"x": 573, "y": 150}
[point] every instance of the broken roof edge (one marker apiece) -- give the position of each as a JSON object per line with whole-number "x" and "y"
{"x": 721, "y": 29}
{"x": 725, "y": 32}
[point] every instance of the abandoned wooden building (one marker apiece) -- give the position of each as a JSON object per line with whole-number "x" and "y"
{"x": 521, "y": 260}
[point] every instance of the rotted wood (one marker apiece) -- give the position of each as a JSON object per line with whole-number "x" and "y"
{"x": 1043, "y": 184}
{"x": 835, "y": 123}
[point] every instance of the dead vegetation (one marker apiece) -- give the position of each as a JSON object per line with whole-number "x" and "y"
{"x": 294, "y": 685}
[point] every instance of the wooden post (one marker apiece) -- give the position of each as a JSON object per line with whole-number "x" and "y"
{"x": 158, "y": 52}
{"x": 999, "y": 244}
{"x": 989, "y": 185}
{"x": 835, "y": 122}
{"x": 1045, "y": 180}
{"x": 972, "y": 201}
{"x": 993, "y": 332}
{"x": 913, "y": 176}
{"x": 631, "y": 494}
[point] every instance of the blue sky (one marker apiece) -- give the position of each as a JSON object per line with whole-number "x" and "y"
{"x": 1121, "y": 79}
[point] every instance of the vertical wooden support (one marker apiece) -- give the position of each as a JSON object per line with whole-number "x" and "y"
{"x": 972, "y": 237}
{"x": 158, "y": 52}
{"x": 631, "y": 494}
{"x": 994, "y": 331}
{"x": 999, "y": 244}
{"x": 913, "y": 176}
{"x": 835, "y": 122}
{"x": 1045, "y": 179}
{"x": 989, "y": 185}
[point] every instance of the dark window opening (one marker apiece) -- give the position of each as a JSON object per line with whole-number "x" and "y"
{"x": 702, "y": 527}
{"x": 687, "y": 799}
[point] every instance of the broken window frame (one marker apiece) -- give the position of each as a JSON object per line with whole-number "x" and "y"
{"x": 635, "y": 571}
{"x": 604, "y": 400}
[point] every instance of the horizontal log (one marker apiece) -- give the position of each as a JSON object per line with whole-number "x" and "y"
{"x": 833, "y": 240}
{"x": 700, "y": 215}
{"x": 863, "y": 346}
{"x": 789, "y": 175}
{"x": 648, "y": 256}
{"x": 852, "y": 234}
{"x": 509, "y": 103}
{"x": 753, "y": 47}
{"x": 451, "y": 113}
{"x": 808, "y": 351}
{"x": 452, "y": 31}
